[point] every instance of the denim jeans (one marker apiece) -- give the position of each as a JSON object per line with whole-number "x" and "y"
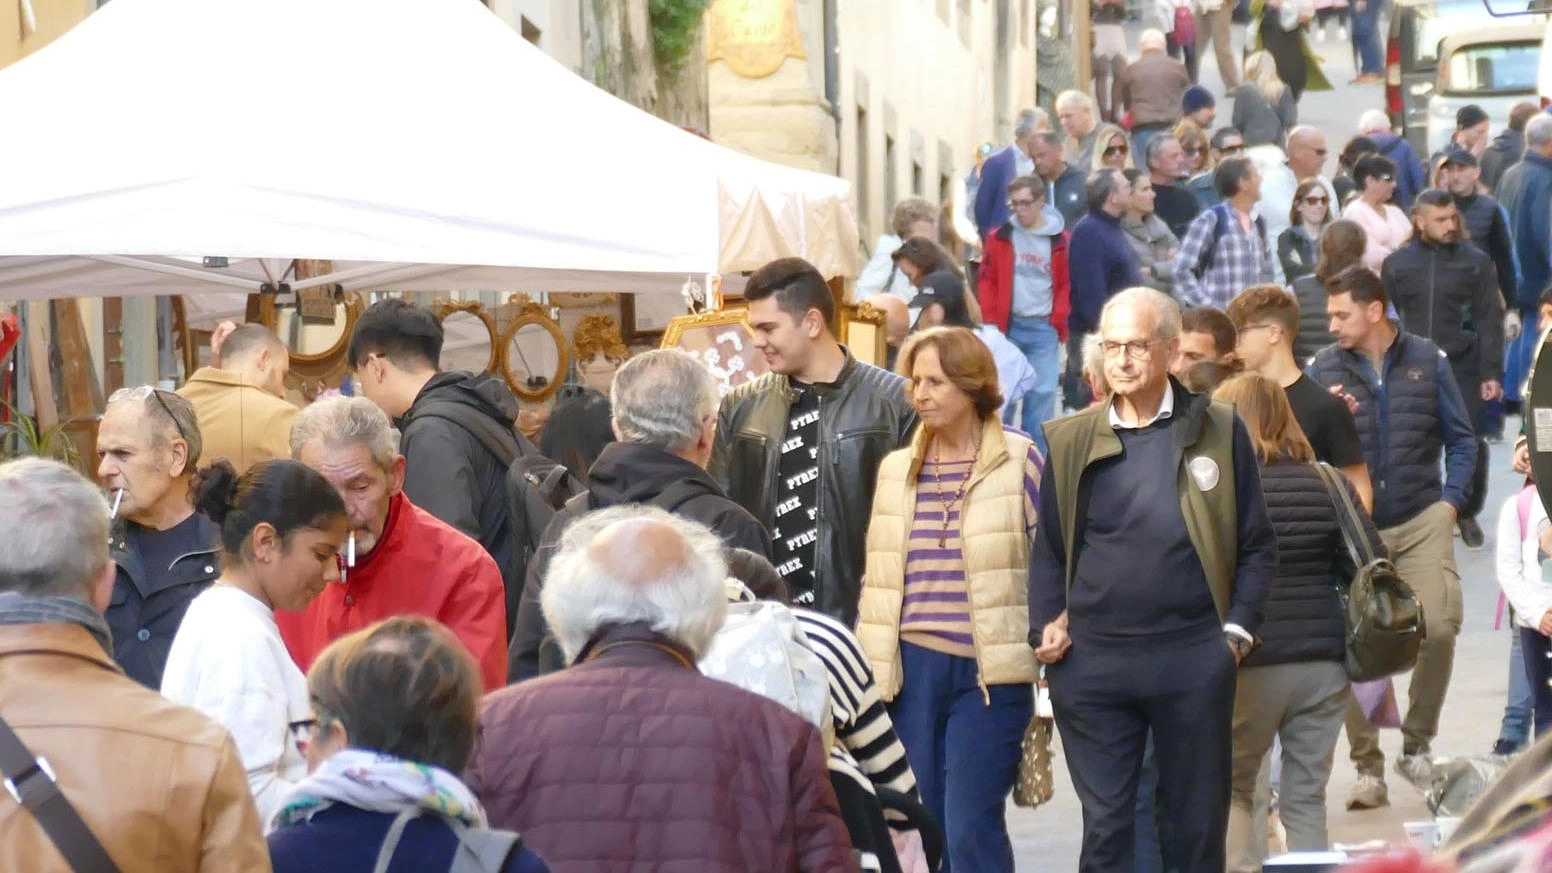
{"x": 964, "y": 752}
{"x": 1036, "y": 338}
{"x": 1520, "y": 353}
{"x": 1366, "y": 38}
{"x": 1514, "y": 730}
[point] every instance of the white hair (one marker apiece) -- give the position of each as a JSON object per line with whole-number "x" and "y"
{"x": 1093, "y": 356}
{"x": 1374, "y": 121}
{"x": 1538, "y": 131}
{"x": 1152, "y": 38}
{"x": 1166, "y": 312}
{"x": 1031, "y": 121}
{"x": 55, "y": 524}
{"x": 684, "y": 600}
{"x": 1074, "y": 100}
{"x": 661, "y": 398}
{"x": 341, "y": 421}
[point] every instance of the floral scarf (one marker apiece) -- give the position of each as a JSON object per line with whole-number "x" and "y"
{"x": 377, "y": 782}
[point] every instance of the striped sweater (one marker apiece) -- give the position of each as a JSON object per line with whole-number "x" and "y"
{"x": 936, "y": 614}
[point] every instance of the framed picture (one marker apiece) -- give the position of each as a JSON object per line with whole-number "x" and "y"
{"x": 722, "y": 341}
{"x": 644, "y": 317}
{"x": 862, "y": 330}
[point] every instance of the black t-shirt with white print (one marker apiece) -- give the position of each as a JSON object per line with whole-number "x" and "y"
{"x": 797, "y": 497}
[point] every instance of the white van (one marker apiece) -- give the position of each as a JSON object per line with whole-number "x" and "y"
{"x": 1493, "y": 67}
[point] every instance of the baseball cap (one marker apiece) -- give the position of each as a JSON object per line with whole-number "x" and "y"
{"x": 1457, "y": 155}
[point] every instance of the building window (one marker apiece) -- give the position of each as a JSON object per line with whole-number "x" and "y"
{"x": 530, "y": 32}
{"x": 916, "y": 178}
{"x": 862, "y": 169}
{"x": 964, "y": 22}
{"x": 890, "y": 172}
{"x": 946, "y": 208}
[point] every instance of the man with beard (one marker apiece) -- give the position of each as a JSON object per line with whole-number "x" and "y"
{"x": 399, "y": 558}
{"x": 1445, "y": 289}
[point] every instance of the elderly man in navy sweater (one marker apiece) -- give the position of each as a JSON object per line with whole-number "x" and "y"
{"x": 1100, "y": 262}
{"x": 1146, "y": 584}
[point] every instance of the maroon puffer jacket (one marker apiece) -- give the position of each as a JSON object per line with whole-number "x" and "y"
{"x": 632, "y": 761}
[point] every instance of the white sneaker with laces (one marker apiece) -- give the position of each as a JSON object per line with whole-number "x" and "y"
{"x": 1416, "y": 769}
{"x": 1369, "y": 792}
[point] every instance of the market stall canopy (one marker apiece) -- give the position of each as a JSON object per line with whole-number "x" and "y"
{"x": 189, "y": 146}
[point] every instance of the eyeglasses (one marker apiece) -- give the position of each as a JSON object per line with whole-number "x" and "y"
{"x": 142, "y": 393}
{"x": 1316, "y": 201}
{"x": 1117, "y": 150}
{"x": 1385, "y": 177}
{"x": 1194, "y": 150}
{"x": 1137, "y": 350}
{"x": 1021, "y": 204}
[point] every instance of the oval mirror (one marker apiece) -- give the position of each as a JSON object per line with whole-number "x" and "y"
{"x": 534, "y": 354}
{"x": 468, "y": 339}
{"x": 311, "y": 340}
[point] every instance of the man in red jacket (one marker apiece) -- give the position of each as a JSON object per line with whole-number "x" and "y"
{"x": 400, "y": 559}
{"x": 631, "y": 759}
{"x": 1024, "y": 293}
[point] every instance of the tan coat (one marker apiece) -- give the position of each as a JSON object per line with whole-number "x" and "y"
{"x": 238, "y": 420}
{"x": 159, "y": 784}
{"x": 996, "y": 553}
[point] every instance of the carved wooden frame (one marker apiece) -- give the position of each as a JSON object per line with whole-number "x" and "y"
{"x": 533, "y": 313}
{"x": 443, "y": 308}
{"x": 715, "y": 318}
{"x": 323, "y": 366}
{"x": 875, "y": 353}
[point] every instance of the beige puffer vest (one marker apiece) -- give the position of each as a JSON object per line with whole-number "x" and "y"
{"x": 996, "y": 554}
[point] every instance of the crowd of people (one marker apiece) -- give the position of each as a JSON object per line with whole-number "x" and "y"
{"x": 390, "y": 632}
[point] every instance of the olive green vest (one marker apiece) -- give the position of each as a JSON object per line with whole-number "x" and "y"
{"x": 1211, "y": 515}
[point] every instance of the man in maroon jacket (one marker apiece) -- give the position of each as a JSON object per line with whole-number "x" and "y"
{"x": 633, "y": 760}
{"x": 1024, "y": 293}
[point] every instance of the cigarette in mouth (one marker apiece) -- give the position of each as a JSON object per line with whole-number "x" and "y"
{"x": 350, "y": 550}
{"x": 118, "y": 495}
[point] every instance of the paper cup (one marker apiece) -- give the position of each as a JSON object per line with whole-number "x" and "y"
{"x": 1447, "y": 825}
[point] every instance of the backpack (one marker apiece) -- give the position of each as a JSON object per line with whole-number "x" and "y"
{"x": 480, "y": 850}
{"x": 762, "y": 648}
{"x": 535, "y": 486}
{"x": 1204, "y": 261}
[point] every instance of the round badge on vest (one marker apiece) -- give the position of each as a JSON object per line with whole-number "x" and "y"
{"x": 1205, "y": 472}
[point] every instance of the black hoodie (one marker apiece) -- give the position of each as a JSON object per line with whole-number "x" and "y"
{"x": 448, "y": 470}
{"x": 631, "y": 473}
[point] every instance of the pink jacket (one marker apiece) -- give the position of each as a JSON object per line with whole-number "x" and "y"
{"x": 1385, "y": 233}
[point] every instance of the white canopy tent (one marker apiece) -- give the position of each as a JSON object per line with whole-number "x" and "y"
{"x": 414, "y": 144}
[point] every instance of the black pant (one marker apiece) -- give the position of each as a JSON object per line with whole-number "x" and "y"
{"x": 1468, "y": 377}
{"x": 1537, "y": 650}
{"x": 1106, "y": 700}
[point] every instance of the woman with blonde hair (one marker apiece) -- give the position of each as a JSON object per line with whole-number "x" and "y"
{"x": 1265, "y": 108}
{"x": 944, "y": 612}
{"x": 1112, "y": 148}
{"x": 1293, "y": 686}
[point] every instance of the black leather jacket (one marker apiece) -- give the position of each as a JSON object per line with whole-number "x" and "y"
{"x": 863, "y": 416}
{"x": 149, "y": 602}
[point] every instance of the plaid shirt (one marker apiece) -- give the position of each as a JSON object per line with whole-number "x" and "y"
{"x": 1241, "y": 259}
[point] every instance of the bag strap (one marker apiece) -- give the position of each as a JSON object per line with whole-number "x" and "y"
{"x": 30, "y": 782}
{"x": 482, "y": 850}
{"x": 391, "y": 839}
{"x": 499, "y": 441}
{"x": 551, "y": 483}
{"x": 1348, "y": 521}
{"x": 677, "y": 495}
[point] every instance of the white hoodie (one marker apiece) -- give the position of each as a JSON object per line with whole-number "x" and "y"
{"x": 1518, "y": 559}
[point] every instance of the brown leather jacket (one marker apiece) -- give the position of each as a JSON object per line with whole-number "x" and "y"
{"x": 632, "y": 760}
{"x": 159, "y": 784}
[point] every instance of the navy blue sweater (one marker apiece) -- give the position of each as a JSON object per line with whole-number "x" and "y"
{"x": 343, "y": 839}
{"x": 1100, "y": 262}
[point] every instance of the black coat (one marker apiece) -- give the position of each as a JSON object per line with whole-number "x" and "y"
{"x": 149, "y": 602}
{"x": 1314, "y": 326}
{"x": 1302, "y": 618}
{"x": 1448, "y": 293}
{"x": 627, "y": 473}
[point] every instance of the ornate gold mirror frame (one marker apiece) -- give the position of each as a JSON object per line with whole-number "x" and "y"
{"x": 447, "y": 308}
{"x": 532, "y": 314}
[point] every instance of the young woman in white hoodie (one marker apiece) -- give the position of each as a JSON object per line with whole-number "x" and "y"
{"x": 282, "y": 528}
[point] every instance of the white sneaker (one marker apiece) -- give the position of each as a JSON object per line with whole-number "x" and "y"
{"x": 1341, "y": 34}
{"x": 1416, "y": 769}
{"x": 1320, "y": 34}
{"x": 1369, "y": 792}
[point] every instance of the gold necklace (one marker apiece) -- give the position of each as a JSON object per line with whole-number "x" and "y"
{"x": 959, "y": 494}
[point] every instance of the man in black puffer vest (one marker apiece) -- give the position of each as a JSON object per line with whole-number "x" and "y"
{"x": 1409, "y": 413}
{"x": 1444, "y": 288}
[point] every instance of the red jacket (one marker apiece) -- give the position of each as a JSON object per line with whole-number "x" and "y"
{"x": 996, "y": 283}
{"x": 634, "y": 761}
{"x": 421, "y": 566}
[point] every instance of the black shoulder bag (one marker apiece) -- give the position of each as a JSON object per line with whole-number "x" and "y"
{"x": 30, "y": 782}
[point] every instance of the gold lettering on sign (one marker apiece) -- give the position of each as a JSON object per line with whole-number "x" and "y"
{"x": 754, "y": 37}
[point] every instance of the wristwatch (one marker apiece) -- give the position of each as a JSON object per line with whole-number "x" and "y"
{"x": 1239, "y": 644}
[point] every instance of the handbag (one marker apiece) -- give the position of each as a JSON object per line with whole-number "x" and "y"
{"x": 30, "y": 781}
{"x": 1035, "y": 784}
{"x": 1185, "y": 27}
{"x": 1382, "y": 619}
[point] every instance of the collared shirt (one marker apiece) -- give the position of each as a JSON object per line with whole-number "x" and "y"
{"x": 1166, "y": 410}
{"x": 1239, "y": 259}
